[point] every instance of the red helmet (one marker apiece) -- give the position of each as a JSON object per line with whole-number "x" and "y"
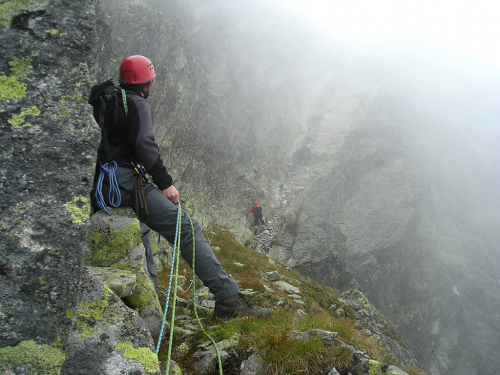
{"x": 136, "y": 69}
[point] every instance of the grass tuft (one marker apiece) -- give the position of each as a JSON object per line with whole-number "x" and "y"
{"x": 414, "y": 370}
{"x": 270, "y": 337}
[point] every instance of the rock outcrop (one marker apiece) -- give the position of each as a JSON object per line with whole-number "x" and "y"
{"x": 47, "y": 152}
{"x": 55, "y": 316}
{"x": 115, "y": 245}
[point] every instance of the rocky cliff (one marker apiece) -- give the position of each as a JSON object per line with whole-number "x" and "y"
{"x": 47, "y": 161}
{"x": 371, "y": 170}
{"x": 52, "y": 306}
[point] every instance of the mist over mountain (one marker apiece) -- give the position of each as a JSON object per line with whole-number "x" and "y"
{"x": 376, "y": 164}
{"x": 389, "y": 170}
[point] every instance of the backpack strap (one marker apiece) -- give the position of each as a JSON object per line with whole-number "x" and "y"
{"x": 104, "y": 128}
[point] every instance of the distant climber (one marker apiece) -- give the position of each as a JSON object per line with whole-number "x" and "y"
{"x": 127, "y": 153}
{"x": 258, "y": 216}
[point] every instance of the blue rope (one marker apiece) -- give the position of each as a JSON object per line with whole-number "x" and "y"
{"x": 174, "y": 255}
{"x": 114, "y": 196}
{"x": 174, "y": 274}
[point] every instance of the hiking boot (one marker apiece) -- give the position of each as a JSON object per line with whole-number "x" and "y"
{"x": 238, "y": 305}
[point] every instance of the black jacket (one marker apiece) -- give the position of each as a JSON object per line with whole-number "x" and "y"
{"x": 132, "y": 139}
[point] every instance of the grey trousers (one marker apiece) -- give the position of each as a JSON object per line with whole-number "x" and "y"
{"x": 163, "y": 220}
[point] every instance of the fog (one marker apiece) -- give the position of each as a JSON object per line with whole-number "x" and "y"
{"x": 451, "y": 50}
{"x": 426, "y": 76}
{"x": 468, "y": 28}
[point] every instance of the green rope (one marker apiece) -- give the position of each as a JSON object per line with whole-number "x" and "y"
{"x": 194, "y": 302}
{"x": 176, "y": 274}
{"x": 124, "y": 98}
{"x": 175, "y": 263}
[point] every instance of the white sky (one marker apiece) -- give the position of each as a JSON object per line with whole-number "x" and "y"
{"x": 470, "y": 26}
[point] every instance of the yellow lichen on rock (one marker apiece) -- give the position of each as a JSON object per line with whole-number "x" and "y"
{"x": 11, "y": 86}
{"x": 79, "y": 209}
{"x": 9, "y": 9}
{"x": 43, "y": 359}
{"x": 18, "y": 121}
{"x": 142, "y": 355}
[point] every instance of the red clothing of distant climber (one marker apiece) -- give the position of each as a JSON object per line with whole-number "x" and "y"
{"x": 258, "y": 215}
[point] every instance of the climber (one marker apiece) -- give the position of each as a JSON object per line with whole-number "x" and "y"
{"x": 130, "y": 143}
{"x": 258, "y": 216}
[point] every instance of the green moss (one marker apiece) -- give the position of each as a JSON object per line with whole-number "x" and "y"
{"x": 79, "y": 209}
{"x": 8, "y": 9}
{"x": 52, "y": 32}
{"x": 145, "y": 294}
{"x": 70, "y": 314}
{"x": 20, "y": 68}
{"x": 42, "y": 281}
{"x": 109, "y": 248}
{"x": 65, "y": 105}
{"x": 142, "y": 355}
{"x": 71, "y": 103}
{"x": 88, "y": 314}
{"x": 94, "y": 310}
{"x": 58, "y": 343}
{"x": 374, "y": 368}
{"x": 91, "y": 315}
{"x": 166, "y": 143}
{"x": 44, "y": 359}
{"x": 86, "y": 331}
{"x": 11, "y": 88}
{"x": 176, "y": 370}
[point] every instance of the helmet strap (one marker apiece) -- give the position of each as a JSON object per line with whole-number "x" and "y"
{"x": 147, "y": 89}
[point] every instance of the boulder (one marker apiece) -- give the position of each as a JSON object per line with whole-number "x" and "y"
{"x": 115, "y": 243}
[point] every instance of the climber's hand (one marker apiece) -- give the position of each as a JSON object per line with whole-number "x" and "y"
{"x": 171, "y": 194}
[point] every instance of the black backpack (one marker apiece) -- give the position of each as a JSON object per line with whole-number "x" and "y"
{"x": 257, "y": 210}
{"x": 104, "y": 99}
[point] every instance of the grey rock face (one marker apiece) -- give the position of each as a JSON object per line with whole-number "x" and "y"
{"x": 106, "y": 335}
{"x": 47, "y": 153}
{"x": 254, "y": 365}
{"x": 115, "y": 243}
{"x": 121, "y": 282}
{"x": 47, "y": 298}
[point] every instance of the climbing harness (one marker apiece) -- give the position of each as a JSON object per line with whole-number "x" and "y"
{"x": 141, "y": 188}
{"x": 174, "y": 276}
{"x": 114, "y": 196}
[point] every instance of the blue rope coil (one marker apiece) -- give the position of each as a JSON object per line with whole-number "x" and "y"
{"x": 114, "y": 197}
